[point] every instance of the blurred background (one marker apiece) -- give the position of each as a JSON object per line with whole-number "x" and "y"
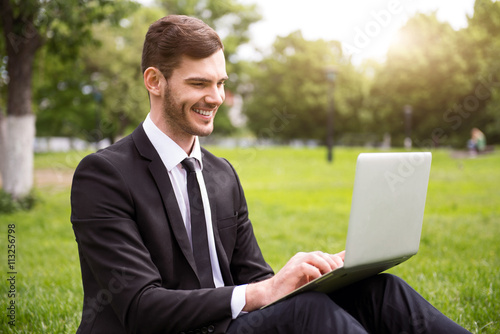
{"x": 365, "y": 73}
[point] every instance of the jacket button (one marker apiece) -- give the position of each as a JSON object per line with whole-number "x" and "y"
{"x": 211, "y": 328}
{"x": 204, "y": 330}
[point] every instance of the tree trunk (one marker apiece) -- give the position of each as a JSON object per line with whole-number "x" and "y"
{"x": 19, "y": 135}
{"x": 22, "y": 40}
{"x": 17, "y": 172}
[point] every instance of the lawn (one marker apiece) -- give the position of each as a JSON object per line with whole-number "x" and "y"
{"x": 297, "y": 202}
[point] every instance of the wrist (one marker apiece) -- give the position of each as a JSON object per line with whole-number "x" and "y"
{"x": 257, "y": 295}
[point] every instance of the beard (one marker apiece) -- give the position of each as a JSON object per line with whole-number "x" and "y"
{"x": 179, "y": 118}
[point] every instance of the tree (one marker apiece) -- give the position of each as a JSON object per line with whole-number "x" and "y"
{"x": 22, "y": 40}
{"x": 424, "y": 71}
{"x": 228, "y": 17}
{"x": 481, "y": 52}
{"x": 27, "y": 26}
{"x": 290, "y": 92}
{"x": 101, "y": 94}
{"x": 449, "y": 77}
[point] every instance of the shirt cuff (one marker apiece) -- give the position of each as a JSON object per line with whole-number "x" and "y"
{"x": 238, "y": 300}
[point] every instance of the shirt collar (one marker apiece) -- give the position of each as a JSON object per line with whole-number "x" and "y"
{"x": 170, "y": 153}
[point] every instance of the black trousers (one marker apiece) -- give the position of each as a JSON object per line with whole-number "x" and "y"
{"x": 380, "y": 304}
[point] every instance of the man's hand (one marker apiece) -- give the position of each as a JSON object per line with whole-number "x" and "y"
{"x": 299, "y": 270}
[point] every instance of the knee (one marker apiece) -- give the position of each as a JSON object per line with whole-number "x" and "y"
{"x": 311, "y": 300}
{"x": 388, "y": 281}
{"x": 316, "y": 312}
{"x": 381, "y": 286}
{"x": 308, "y": 306}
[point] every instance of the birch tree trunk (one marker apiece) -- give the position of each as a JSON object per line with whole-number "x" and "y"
{"x": 17, "y": 171}
{"x": 22, "y": 40}
{"x": 19, "y": 131}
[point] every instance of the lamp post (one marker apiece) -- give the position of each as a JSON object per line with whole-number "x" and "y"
{"x": 331, "y": 76}
{"x": 408, "y": 110}
{"x": 98, "y": 100}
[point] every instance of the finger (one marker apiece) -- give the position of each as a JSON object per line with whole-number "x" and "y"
{"x": 335, "y": 260}
{"x": 342, "y": 255}
{"x": 310, "y": 271}
{"x": 338, "y": 261}
{"x": 324, "y": 262}
{"x": 339, "y": 258}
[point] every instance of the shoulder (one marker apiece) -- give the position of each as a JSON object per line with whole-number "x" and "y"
{"x": 220, "y": 175}
{"x": 120, "y": 154}
{"x": 209, "y": 156}
{"x": 214, "y": 162}
{"x": 111, "y": 155}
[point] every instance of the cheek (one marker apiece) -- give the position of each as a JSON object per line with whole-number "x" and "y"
{"x": 190, "y": 98}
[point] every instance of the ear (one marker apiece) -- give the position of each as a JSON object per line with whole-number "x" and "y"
{"x": 153, "y": 81}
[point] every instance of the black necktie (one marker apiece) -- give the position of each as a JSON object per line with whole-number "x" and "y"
{"x": 198, "y": 226}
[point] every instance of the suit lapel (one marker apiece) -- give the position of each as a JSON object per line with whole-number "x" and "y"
{"x": 162, "y": 180}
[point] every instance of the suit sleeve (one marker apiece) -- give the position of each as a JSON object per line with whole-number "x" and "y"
{"x": 117, "y": 267}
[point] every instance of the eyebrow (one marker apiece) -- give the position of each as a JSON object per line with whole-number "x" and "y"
{"x": 201, "y": 79}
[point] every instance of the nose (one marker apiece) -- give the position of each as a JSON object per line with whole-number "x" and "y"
{"x": 216, "y": 95}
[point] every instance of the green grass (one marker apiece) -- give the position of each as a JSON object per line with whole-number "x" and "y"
{"x": 297, "y": 202}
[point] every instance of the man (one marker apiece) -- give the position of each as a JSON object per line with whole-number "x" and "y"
{"x": 147, "y": 265}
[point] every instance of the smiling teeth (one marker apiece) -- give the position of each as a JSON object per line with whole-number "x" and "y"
{"x": 203, "y": 112}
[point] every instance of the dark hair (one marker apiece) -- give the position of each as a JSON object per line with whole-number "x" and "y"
{"x": 175, "y": 35}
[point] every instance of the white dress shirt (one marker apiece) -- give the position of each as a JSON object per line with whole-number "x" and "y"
{"x": 172, "y": 155}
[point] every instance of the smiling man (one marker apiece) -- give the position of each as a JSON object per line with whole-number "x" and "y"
{"x": 163, "y": 233}
{"x": 185, "y": 105}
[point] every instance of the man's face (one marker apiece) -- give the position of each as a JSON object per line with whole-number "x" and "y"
{"x": 192, "y": 96}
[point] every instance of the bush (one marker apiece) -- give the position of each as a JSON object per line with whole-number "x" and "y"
{"x": 9, "y": 204}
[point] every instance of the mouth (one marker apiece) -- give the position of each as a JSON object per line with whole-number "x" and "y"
{"x": 204, "y": 112}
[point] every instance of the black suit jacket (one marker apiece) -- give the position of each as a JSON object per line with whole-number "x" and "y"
{"x": 136, "y": 261}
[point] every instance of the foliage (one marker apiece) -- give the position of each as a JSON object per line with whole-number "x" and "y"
{"x": 289, "y": 94}
{"x": 101, "y": 94}
{"x": 27, "y": 26}
{"x": 61, "y": 107}
{"x": 449, "y": 79}
{"x": 481, "y": 53}
{"x": 8, "y": 204}
{"x": 60, "y": 26}
{"x": 420, "y": 71}
{"x": 228, "y": 17}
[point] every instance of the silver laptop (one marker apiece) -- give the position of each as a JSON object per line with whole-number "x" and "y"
{"x": 386, "y": 218}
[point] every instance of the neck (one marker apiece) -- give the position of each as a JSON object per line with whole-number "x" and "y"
{"x": 186, "y": 142}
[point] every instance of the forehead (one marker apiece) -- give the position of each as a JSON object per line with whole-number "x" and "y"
{"x": 212, "y": 68}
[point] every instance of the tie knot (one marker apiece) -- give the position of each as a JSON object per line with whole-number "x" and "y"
{"x": 189, "y": 164}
